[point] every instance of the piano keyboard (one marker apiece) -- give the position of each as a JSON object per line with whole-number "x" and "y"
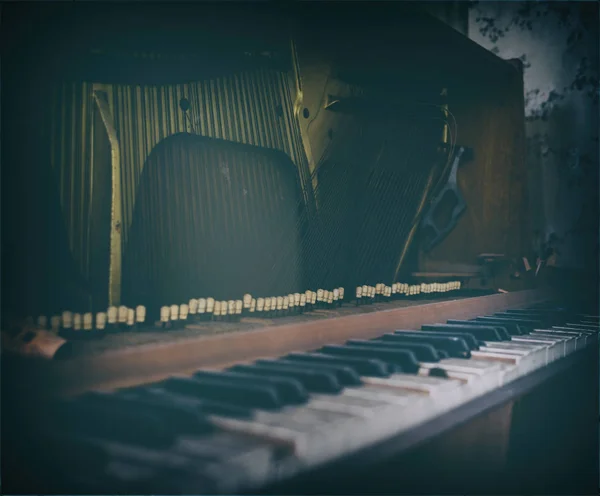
{"x": 239, "y": 429}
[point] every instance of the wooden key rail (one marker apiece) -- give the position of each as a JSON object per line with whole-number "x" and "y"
{"x": 155, "y": 361}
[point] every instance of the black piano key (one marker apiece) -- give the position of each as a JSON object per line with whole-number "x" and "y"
{"x": 404, "y": 359}
{"x": 442, "y": 354}
{"x": 346, "y": 376}
{"x": 560, "y": 316}
{"x": 544, "y": 320}
{"x": 250, "y": 396}
{"x": 513, "y": 327}
{"x": 115, "y": 420}
{"x": 424, "y": 352}
{"x": 363, "y": 366}
{"x": 480, "y": 333}
{"x": 315, "y": 381}
{"x": 289, "y": 390}
{"x": 469, "y": 339}
{"x": 588, "y": 327}
{"x": 188, "y": 418}
{"x": 528, "y": 321}
{"x": 208, "y": 407}
{"x": 455, "y": 347}
{"x": 502, "y": 330}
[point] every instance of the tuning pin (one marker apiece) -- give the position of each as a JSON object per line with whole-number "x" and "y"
{"x": 336, "y": 297}
{"x": 101, "y": 319}
{"x": 193, "y": 310}
{"x": 260, "y": 306}
{"x": 224, "y": 310}
{"x": 329, "y": 299}
{"x": 285, "y": 306}
{"x": 239, "y": 309}
{"x": 307, "y": 298}
{"x": 318, "y": 300}
{"x": 230, "y": 310}
{"x": 184, "y": 311}
{"x": 122, "y": 318}
{"x": 174, "y": 316}
{"x": 217, "y": 311}
{"x": 140, "y": 316}
{"x": 313, "y": 299}
{"x": 77, "y": 324}
{"x": 341, "y": 296}
{"x": 267, "y": 308}
{"x": 165, "y": 322}
{"x": 274, "y": 306}
{"x": 247, "y": 303}
{"x": 279, "y": 307}
{"x": 111, "y": 314}
{"x": 42, "y": 322}
{"x": 66, "y": 325}
{"x": 202, "y": 313}
{"x": 378, "y": 291}
{"x": 130, "y": 322}
{"x": 88, "y": 325}
{"x": 210, "y": 308}
{"x": 301, "y": 303}
{"x": 358, "y": 295}
{"x": 297, "y": 300}
{"x": 252, "y": 310}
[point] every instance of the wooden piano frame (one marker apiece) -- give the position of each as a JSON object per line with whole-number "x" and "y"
{"x": 518, "y": 439}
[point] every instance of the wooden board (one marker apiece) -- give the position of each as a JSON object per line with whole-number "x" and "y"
{"x": 153, "y": 362}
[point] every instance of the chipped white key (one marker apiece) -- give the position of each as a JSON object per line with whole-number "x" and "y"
{"x": 479, "y": 375}
{"x": 473, "y": 367}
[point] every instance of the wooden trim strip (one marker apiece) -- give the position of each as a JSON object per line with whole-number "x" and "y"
{"x": 149, "y": 363}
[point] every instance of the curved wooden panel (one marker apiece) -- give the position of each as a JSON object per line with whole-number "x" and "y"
{"x": 213, "y": 218}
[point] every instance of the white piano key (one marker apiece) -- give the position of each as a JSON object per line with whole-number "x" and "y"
{"x": 479, "y": 376}
{"x": 595, "y": 327}
{"x": 555, "y": 346}
{"x": 421, "y": 384}
{"x": 570, "y": 343}
{"x": 348, "y": 404}
{"x": 538, "y": 355}
{"x": 227, "y": 457}
{"x": 469, "y": 366}
{"x": 383, "y": 394}
{"x": 575, "y": 340}
{"x": 291, "y": 441}
{"x": 590, "y": 336}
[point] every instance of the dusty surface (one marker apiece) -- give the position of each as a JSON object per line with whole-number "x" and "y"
{"x": 151, "y": 335}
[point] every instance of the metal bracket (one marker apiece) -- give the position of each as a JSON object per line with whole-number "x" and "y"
{"x": 451, "y": 186}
